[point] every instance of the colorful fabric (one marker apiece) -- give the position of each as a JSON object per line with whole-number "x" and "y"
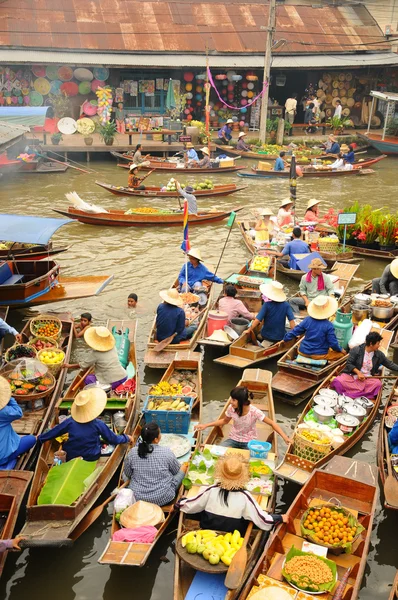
{"x": 244, "y": 428}
{"x": 352, "y": 387}
{"x": 139, "y": 535}
{"x": 367, "y": 364}
{"x": 393, "y": 438}
{"x": 321, "y": 281}
{"x": 185, "y": 246}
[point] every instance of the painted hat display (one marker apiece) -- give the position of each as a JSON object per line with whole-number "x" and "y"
{"x": 39, "y": 70}
{"x": 84, "y": 88}
{"x": 55, "y": 86}
{"x": 70, "y": 88}
{"x": 36, "y": 99}
{"x": 65, "y": 73}
{"x": 85, "y": 126}
{"x": 322, "y": 307}
{"x": 67, "y": 125}
{"x": 42, "y": 85}
{"x": 95, "y": 84}
{"x": 82, "y": 74}
{"x": 52, "y": 72}
{"x": 101, "y": 73}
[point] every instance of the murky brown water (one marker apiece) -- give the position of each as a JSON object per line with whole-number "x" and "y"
{"x": 145, "y": 261}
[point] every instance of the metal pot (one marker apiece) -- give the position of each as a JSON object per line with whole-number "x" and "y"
{"x": 360, "y": 311}
{"x": 382, "y": 312}
{"x": 394, "y": 300}
{"x": 328, "y": 393}
{"x": 365, "y": 403}
{"x": 346, "y": 423}
{"x": 325, "y": 401}
{"x": 239, "y": 325}
{"x": 323, "y": 414}
{"x": 342, "y": 402}
{"x": 357, "y": 411}
{"x": 362, "y": 299}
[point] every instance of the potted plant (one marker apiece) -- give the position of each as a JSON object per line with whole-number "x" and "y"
{"x": 369, "y": 227}
{"x": 108, "y": 132}
{"x": 339, "y": 124}
{"x": 387, "y": 232}
{"x": 56, "y": 138}
{"x": 272, "y": 126}
{"x": 60, "y": 104}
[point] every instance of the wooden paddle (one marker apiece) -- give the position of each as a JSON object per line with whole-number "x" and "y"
{"x": 93, "y": 516}
{"x": 390, "y": 484}
{"x": 160, "y": 345}
{"x": 238, "y": 565}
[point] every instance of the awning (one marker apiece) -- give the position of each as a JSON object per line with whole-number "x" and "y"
{"x": 29, "y": 230}
{"x": 386, "y": 96}
{"x": 10, "y": 134}
{"x": 179, "y": 60}
{"x": 24, "y": 115}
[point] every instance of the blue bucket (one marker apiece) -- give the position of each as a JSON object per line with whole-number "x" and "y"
{"x": 259, "y": 449}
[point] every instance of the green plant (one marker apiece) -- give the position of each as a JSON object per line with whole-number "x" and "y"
{"x": 204, "y": 139}
{"x": 338, "y": 123}
{"x": 56, "y": 138}
{"x": 60, "y": 104}
{"x": 107, "y": 132}
{"x": 387, "y": 229}
{"x": 369, "y": 224}
{"x": 392, "y": 128}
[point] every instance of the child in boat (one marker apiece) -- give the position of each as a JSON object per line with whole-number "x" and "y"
{"x": 154, "y": 472}
{"x": 226, "y": 505}
{"x": 244, "y": 417}
{"x": 85, "y": 323}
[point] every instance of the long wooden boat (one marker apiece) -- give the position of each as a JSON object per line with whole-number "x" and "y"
{"x": 26, "y": 252}
{"x": 299, "y": 469}
{"x": 173, "y": 168}
{"x": 353, "y": 484}
{"x": 57, "y": 525}
{"x": 383, "y": 451}
{"x": 360, "y": 169}
{"x": 259, "y": 383}
{"x": 387, "y": 255}
{"x": 136, "y": 555}
{"x": 152, "y": 191}
{"x": 394, "y": 590}
{"x": 387, "y": 146}
{"x": 13, "y": 486}
{"x": 117, "y": 218}
{"x": 71, "y": 288}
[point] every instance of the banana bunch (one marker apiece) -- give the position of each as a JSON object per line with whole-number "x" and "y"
{"x": 211, "y": 546}
{"x": 178, "y": 405}
{"x": 261, "y": 263}
{"x": 164, "y": 388}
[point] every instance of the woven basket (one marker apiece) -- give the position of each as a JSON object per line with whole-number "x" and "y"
{"x": 328, "y": 246}
{"x": 309, "y": 450}
{"x": 36, "y": 338}
{"x": 45, "y": 319}
{"x": 54, "y": 369}
{"x": 7, "y": 354}
{"x": 334, "y": 549}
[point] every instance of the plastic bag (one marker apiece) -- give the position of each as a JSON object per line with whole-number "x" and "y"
{"x": 360, "y": 333}
{"x": 123, "y": 500}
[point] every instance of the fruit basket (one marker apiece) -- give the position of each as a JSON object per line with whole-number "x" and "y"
{"x": 320, "y": 523}
{"x": 46, "y": 325}
{"x": 42, "y": 342}
{"x": 19, "y": 351}
{"x": 53, "y": 358}
{"x": 29, "y": 378}
{"x": 310, "y": 445}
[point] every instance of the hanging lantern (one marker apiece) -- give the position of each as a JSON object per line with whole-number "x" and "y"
{"x": 230, "y": 87}
{"x": 188, "y": 76}
{"x": 189, "y": 117}
{"x": 250, "y": 86}
{"x": 244, "y": 93}
{"x": 230, "y": 97}
{"x": 243, "y": 102}
{"x": 241, "y": 123}
{"x": 244, "y": 85}
{"x": 236, "y": 77}
{"x": 221, "y": 77}
{"x": 188, "y": 87}
{"x": 199, "y": 89}
{"x": 250, "y": 94}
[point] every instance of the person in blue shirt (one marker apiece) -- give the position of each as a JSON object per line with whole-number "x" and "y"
{"x": 86, "y": 432}
{"x": 332, "y": 147}
{"x": 273, "y": 314}
{"x": 393, "y": 438}
{"x": 170, "y": 318}
{"x": 6, "y": 328}
{"x": 225, "y": 133}
{"x": 11, "y": 444}
{"x": 296, "y": 246}
{"x": 191, "y": 156}
{"x": 350, "y": 155}
{"x": 280, "y": 164}
{"x": 320, "y": 341}
{"x": 197, "y": 272}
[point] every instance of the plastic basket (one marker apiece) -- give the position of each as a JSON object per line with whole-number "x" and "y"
{"x": 309, "y": 450}
{"x": 169, "y": 421}
{"x": 259, "y": 449}
{"x": 45, "y": 319}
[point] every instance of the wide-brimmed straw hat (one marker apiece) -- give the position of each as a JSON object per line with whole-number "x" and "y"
{"x": 171, "y": 297}
{"x": 5, "y": 392}
{"x": 322, "y": 307}
{"x": 232, "y": 471}
{"x": 189, "y": 145}
{"x": 219, "y": 335}
{"x": 205, "y": 151}
{"x": 133, "y": 167}
{"x": 317, "y": 263}
{"x": 394, "y": 268}
{"x": 266, "y": 212}
{"x": 99, "y": 338}
{"x": 88, "y": 404}
{"x": 273, "y": 291}
{"x": 141, "y": 513}
{"x": 344, "y": 148}
{"x": 312, "y": 203}
{"x": 285, "y": 202}
{"x": 195, "y": 253}
{"x": 229, "y": 121}
{"x": 241, "y": 134}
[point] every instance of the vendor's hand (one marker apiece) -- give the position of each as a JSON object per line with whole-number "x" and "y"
{"x": 361, "y": 377}
{"x": 288, "y": 440}
{"x": 15, "y": 542}
{"x": 131, "y": 439}
{"x": 306, "y": 301}
{"x": 285, "y": 518}
{"x": 18, "y": 337}
{"x": 247, "y": 331}
{"x": 344, "y": 351}
{"x": 199, "y": 427}
{"x": 65, "y": 366}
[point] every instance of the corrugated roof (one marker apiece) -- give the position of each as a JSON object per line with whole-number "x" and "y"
{"x": 184, "y": 26}
{"x": 10, "y": 133}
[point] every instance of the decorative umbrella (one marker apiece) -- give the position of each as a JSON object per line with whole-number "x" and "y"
{"x": 170, "y": 99}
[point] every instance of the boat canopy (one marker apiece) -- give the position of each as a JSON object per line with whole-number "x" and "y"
{"x": 32, "y": 116}
{"x": 29, "y": 230}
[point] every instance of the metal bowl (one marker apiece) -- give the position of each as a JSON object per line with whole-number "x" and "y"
{"x": 362, "y": 299}
{"x": 383, "y": 312}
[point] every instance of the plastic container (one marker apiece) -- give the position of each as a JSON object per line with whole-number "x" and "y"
{"x": 169, "y": 421}
{"x": 259, "y": 449}
{"x": 343, "y": 327}
{"x": 217, "y": 319}
{"x": 122, "y": 345}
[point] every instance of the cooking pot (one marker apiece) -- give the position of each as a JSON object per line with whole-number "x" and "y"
{"x": 384, "y": 296}
{"x": 347, "y": 423}
{"x": 328, "y": 393}
{"x": 382, "y": 312}
{"x": 323, "y": 414}
{"x": 394, "y": 300}
{"x": 325, "y": 401}
{"x": 239, "y": 325}
{"x": 360, "y": 311}
{"x": 356, "y": 410}
{"x": 365, "y": 403}
{"x": 362, "y": 299}
{"x": 342, "y": 402}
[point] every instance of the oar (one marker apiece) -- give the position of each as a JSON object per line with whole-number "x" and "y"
{"x": 73, "y": 161}
{"x": 160, "y": 345}
{"x": 390, "y": 484}
{"x": 93, "y": 516}
{"x": 65, "y": 163}
{"x": 238, "y": 565}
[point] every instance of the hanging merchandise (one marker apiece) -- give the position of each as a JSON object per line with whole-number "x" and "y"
{"x": 105, "y": 100}
{"x": 55, "y": 87}
{"x": 83, "y": 74}
{"x": 95, "y": 84}
{"x": 90, "y": 108}
{"x": 52, "y": 72}
{"x": 134, "y": 88}
{"x": 36, "y": 99}
{"x": 188, "y": 76}
{"x": 236, "y": 77}
{"x": 101, "y": 73}
{"x": 84, "y": 88}
{"x": 67, "y": 125}
{"x": 70, "y": 88}
{"x": 119, "y": 92}
{"x": 159, "y": 83}
{"x": 65, "y": 73}
{"x": 243, "y": 102}
{"x": 280, "y": 80}
{"x": 38, "y": 70}
{"x": 188, "y": 87}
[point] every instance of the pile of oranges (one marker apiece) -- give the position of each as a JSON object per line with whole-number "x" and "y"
{"x": 48, "y": 329}
{"x": 330, "y": 526}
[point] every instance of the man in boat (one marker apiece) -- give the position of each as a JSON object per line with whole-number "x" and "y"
{"x": 138, "y": 159}
{"x": 232, "y": 306}
{"x": 187, "y": 193}
{"x": 393, "y": 438}
{"x": 134, "y": 181}
{"x": 313, "y": 284}
{"x": 388, "y": 282}
{"x": 170, "y": 318}
{"x": 285, "y": 217}
{"x": 225, "y": 133}
{"x": 205, "y": 162}
{"x": 273, "y": 314}
{"x": 320, "y": 341}
{"x": 280, "y": 164}
{"x": 6, "y": 328}
{"x": 197, "y": 273}
{"x": 241, "y": 145}
{"x": 348, "y": 153}
{"x": 190, "y": 155}
{"x": 296, "y": 246}
{"x": 332, "y": 146}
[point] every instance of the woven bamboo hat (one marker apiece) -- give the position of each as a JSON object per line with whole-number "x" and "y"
{"x": 232, "y": 471}
{"x": 141, "y": 513}
{"x": 285, "y": 202}
{"x": 241, "y": 134}
{"x": 322, "y": 307}
{"x": 394, "y": 268}
{"x": 133, "y": 167}
{"x": 195, "y": 253}
{"x": 99, "y": 338}
{"x": 312, "y": 202}
{"x": 88, "y": 404}
{"x": 266, "y": 212}
{"x": 171, "y": 297}
{"x": 316, "y": 263}
{"x": 189, "y": 145}
{"x": 205, "y": 151}
{"x": 273, "y": 291}
{"x": 5, "y": 392}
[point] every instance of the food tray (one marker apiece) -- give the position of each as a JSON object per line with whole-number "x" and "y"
{"x": 197, "y": 561}
{"x": 169, "y": 421}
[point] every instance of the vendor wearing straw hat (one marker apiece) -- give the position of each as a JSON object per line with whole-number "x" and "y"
{"x": 170, "y": 318}
{"x": 332, "y": 145}
{"x": 295, "y": 246}
{"x": 285, "y": 216}
{"x": 102, "y": 357}
{"x": 273, "y": 313}
{"x": 241, "y": 145}
{"x": 11, "y": 444}
{"x": 226, "y": 505}
{"x": 197, "y": 273}
{"x": 134, "y": 181}
{"x": 312, "y": 212}
{"x": 205, "y": 163}
{"x": 85, "y": 431}
{"x": 320, "y": 341}
{"x": 225, "y": 133}
{"x": 314, "y": 283}
{"x": 190, "y": 155}
{"x": 388, "y": 282}
{"x": 264, "y": 228}
{"x": 188, "y": 194}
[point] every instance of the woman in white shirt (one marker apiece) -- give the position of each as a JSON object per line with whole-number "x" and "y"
{"x": 338, "y": 163}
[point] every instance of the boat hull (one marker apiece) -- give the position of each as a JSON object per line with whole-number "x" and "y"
{"x": 156, "y": 192}
{"x": 38, "y": 279}
{"x": 160, "y": 166}
{"x": 383, "y": 452}
{"x": 387, "y": 146}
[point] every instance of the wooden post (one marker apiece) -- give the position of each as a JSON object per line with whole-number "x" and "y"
{"x": 88, "y": 157}
{"x": 280, "y": 132}
{"x": 267, "y": 69}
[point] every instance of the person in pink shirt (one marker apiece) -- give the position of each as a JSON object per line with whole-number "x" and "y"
{"x": 244, "y": 417}
{"x": 233, "y": 307}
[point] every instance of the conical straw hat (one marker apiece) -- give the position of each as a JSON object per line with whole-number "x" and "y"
{"x": 171, "y": 297}
{"x": 273, "y": 291}
{"x": 141, "y": 513}
{"x": 88, "y": 404}
{"x": 99, "y": 338}
{"x": 5, "y": 392}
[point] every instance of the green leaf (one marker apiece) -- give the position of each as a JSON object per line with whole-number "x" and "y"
{"x": 210, "y": 471}
{"x": 65, "y": 483}
{"x": 202, "y": 467}
{"x": 187, "y": 483}
{"x": 325, "y": 587}
{"x": 207, "y": 454}
{"x": 198, "y": 482}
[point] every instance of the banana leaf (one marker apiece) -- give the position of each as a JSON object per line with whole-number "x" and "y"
{"x": 308, "y": 585}
{"x": 65, "y": 482}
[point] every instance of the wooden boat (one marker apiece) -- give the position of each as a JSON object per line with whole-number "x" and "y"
{"x": 387, "y": 146}
{"x": 259, "y": 383}
{"x": 136, "y": 555}
{"x": 298, "y": 469}
{"x": 387, "y": 255}
{"x": 173, "y": 168}
{"x": 28, "y": 252}
{"x": 71, "y": 288}
{"x": 152, "y": 191}
{"x": 394, "y": 590}
{"x": 117, "y": 218}
{"x": 58, "y": 524}
{"x": 354, "y": 485}
{"x": 383, "y": 451}
{"x": 40, "y": 167}
{"x": 13, "y": 485}
{"x": 361, "y": 168}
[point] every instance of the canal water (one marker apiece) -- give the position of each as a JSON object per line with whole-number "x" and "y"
{"x": 145, "y": 261}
